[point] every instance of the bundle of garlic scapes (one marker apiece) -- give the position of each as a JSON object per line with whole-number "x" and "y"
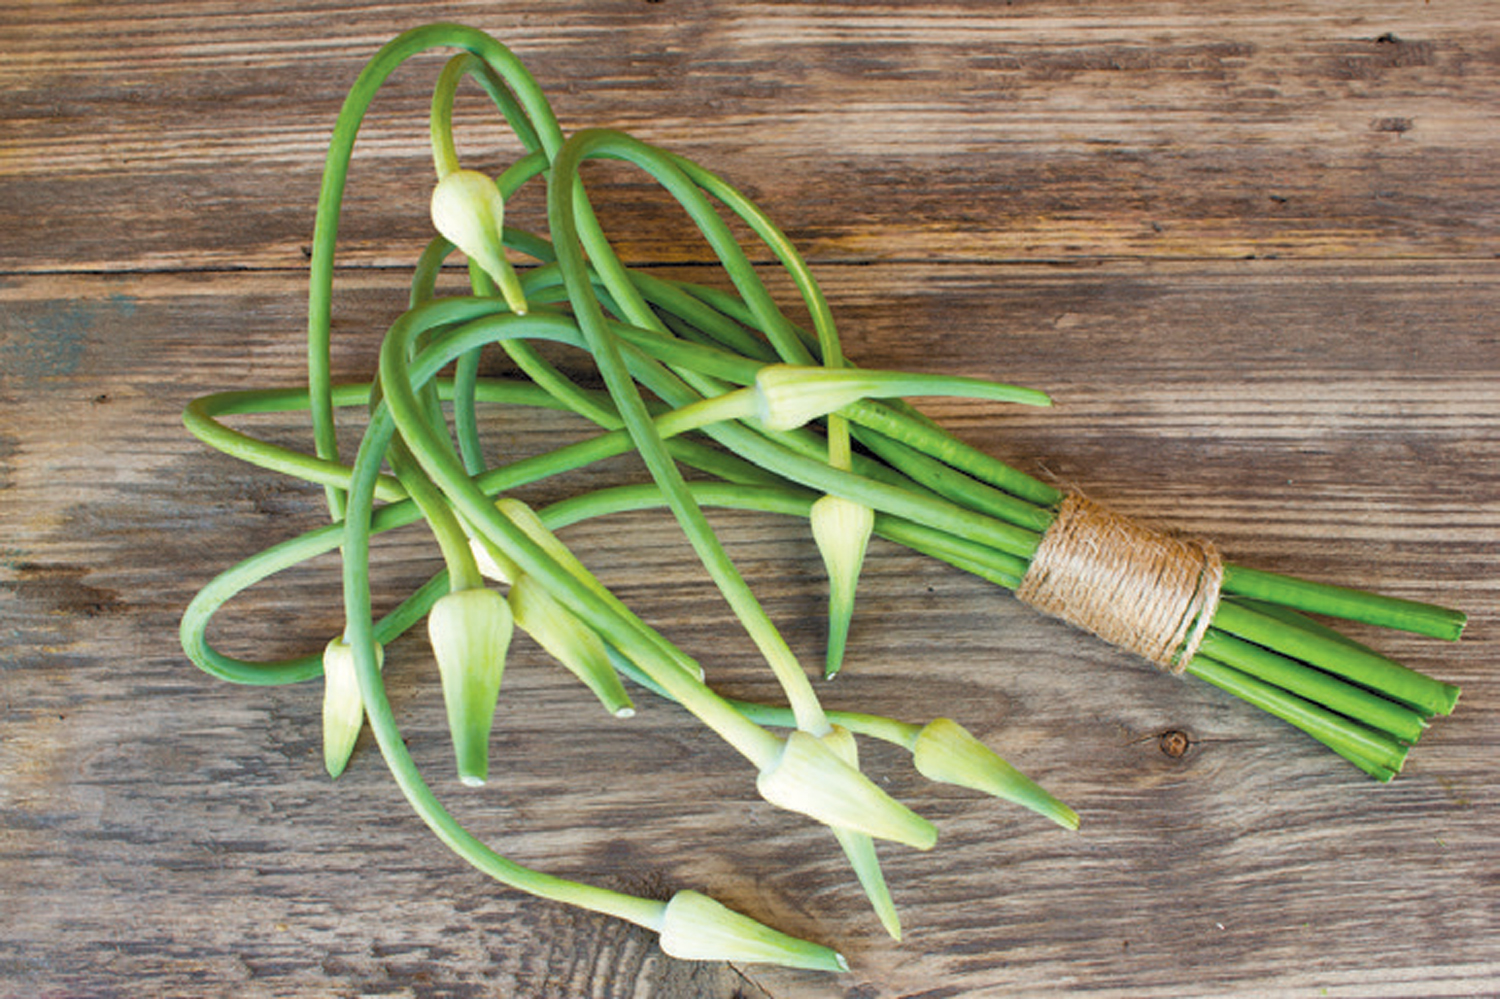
{"x": 771, "y": 417}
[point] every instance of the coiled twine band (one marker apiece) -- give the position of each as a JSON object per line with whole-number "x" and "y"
{"x": 1142, "y": 589}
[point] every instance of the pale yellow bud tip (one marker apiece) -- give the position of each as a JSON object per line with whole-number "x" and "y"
{"x": 696, "y": 928}
{"x": 946, "y": 752}
{"x": 570, "y": 641}
{"x": 788, "y": 396}
{"x": 810, "y": 777}
{"x": 469, "y": 210}
{"x": 842, "y": 529}
{"x": 492, "y": 565}
{"x": 343, "y": 707}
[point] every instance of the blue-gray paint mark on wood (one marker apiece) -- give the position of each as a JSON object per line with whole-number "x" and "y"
{"x": 48, "y": 341}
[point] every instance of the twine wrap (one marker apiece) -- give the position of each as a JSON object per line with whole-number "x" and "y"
{"x": 1144, "y": 590}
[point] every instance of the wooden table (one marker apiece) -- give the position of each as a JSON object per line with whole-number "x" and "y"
{"x": 1249, "y": 248}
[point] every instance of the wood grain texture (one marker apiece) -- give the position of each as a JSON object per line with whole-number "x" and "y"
{"x": 1250, "y": 250}
{"x": 950, "y": 131}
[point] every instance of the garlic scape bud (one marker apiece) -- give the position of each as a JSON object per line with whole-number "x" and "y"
{"x": 842, "y": 529}
{"x": 858, "y": 847}
{"x": 525, "y": 518}
{"x": 470, "y": 631}
{"x": 696, "y": 928}
{"x": 811, "y": 778}
{"x": 469, "y": 210}
{"x": 343, "y": 707}
{"x": 789, "y": 395}
{"x": 945, "y": 751}
{"x": 570, "y": 642}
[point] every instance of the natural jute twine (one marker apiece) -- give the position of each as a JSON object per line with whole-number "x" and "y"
{"x": 1136, "y": 587}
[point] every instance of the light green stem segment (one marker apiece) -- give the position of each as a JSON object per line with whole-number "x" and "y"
{"x": 359, "y": 634}
{"x": 463, "y": 573}
{"x": 446, "y": 469}
{"x": 545, "y": 132}
{"x": 1376, "y": 754}
{"x": 573, "y": 226}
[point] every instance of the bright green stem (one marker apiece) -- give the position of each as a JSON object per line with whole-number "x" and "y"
{"x": 897, "y": 733}
{"x": 772, "y": 322}
{"x": 201, "y": 418}
{"x": 1338, "y": 601}
{"x": 937, "y": 443}
{"x": 957, "y": 486}
{"x": 444, "y": 153}
{"x": 1352, "y": 662}
{"x": 1373, "y": 752}
{"x": 1315, "y": 685}
{"x": 440, "y": 120}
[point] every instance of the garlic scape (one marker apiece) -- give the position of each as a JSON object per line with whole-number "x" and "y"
{"x": 696, "y": 928}
{"x": 726, "y": 401}
{"x": 470, "y": 632}
{"x": 945, "y": 751}
{"x": 842, "y": 529}
{"x": 789, "y": 395}
{"x": 571, "y": 642}
{"x": 469, "y": 211}
{"x": 811, "y": 778}
{"x": 343, "y": 708}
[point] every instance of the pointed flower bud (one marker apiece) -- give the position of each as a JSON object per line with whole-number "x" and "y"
{"x": 842, "y": 529}
{"x": 470, "y": 631}
{"x": 789, "y": 395}
{"x": 809, "y": 777}
{"x": 469, "y": 210}
{"x": 343, "y": 708}
{"x": 945, "y": 751}
{"x": 858, "y": 847}
{"x": 570, "y": 642}
{"x": 696, "y": 928}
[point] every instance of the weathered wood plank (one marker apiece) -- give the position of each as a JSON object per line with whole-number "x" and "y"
{"x": 145, "y": 135}
{"x": 168, "y": 831}
{"x": 1330, "y": 413}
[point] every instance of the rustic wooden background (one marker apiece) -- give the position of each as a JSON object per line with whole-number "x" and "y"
{"x": 1251, "y": 249}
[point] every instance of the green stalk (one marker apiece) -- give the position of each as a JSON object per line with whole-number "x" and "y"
{"x": 1357, "y": 664}
{"x": 565, "y": 204}
{"x": 954, "y": 484}
{"x": 937, "y": 444}
{"x": 444, "y": 92}
{"x": 1293, "y": 676}
{"x": 444, "y": 467}
{"x": 1342, "y": 602}
{"x": 452, "y": 541}
{"x": 335, "y": 175}
{"x": 1378, "y": 755}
